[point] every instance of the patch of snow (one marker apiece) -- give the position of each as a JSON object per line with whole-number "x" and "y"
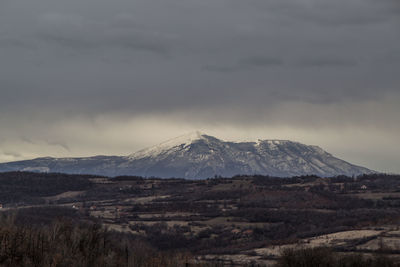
{"x": 36, "y": 169}
{"x": 181, "y": 142}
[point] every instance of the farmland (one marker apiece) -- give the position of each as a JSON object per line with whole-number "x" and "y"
{"x": 240, "y": 220}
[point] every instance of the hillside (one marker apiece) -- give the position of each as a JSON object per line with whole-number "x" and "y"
{"x": 242, "y": 220}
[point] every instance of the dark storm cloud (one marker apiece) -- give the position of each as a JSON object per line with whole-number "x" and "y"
{"x": 260, "y": 62}
{"x": 69, "y": 62}
{"x": 333, "y": 13}
{"x": 222, "y": 69}
{"x": 326, "y": 62}
{"x": 246, "y": 64}
{"x": 107, "y": 52}
{"x": 14, "y": 42}
{"x": 80, "y": 34}
{"x": 115, "y": 47}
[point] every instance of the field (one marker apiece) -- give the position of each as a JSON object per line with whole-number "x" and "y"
{"x": 236, "y": 221}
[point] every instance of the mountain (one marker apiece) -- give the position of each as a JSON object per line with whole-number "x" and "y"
{"x": 198, "y": 155}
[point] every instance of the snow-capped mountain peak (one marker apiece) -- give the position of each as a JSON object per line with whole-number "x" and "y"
{"x": 198, "y": 155}
{"x": 174, "y": 143}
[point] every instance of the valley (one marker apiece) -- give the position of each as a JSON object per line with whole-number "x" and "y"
{"x": 236, "y": 221}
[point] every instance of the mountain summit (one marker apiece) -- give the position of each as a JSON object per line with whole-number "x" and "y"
{"x": 197, "y": 155}
{"x": 183, "y": 140}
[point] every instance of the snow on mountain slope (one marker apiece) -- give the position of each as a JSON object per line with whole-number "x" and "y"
{"x": 164, "y": 147}
{"x": 197, "y": 155}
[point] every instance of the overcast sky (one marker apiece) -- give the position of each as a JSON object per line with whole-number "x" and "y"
{"x": 89, "y": 77}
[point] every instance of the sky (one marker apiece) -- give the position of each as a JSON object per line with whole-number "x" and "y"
{"x": 97, "y": 77}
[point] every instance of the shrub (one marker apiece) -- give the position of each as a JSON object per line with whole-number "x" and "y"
{"x": 325, "y": 257}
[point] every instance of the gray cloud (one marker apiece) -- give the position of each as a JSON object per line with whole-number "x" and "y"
{"x": 12, "y": 154}
{"x": 222, "y": 69}
{"x": 260, "y": 62}
{"x": 80, "y": 34}
{"x": 327, "y": 62}
{"x": 245, "y": 64}
{"x": 333, "y": 14}
{"x": 226, "y": 63}
{"x": 60, "y": 144}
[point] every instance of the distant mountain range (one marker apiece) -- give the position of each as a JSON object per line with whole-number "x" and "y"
{"x": 198, "y": 155}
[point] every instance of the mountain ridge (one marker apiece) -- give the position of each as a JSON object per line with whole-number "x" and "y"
{"x": 198, "y": 155}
